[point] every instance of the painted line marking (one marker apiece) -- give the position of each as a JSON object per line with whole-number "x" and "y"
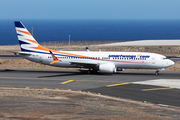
{"x": 67, "y": 81}
{"x": 22, "y": 78}
{"x": 117, "y": 84}
{"x": 156, "y": 89}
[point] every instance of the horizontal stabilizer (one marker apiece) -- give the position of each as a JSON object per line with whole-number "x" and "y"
{"x": 21, "y": 54}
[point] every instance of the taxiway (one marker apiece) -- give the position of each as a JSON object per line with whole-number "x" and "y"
{"x": 125, "y": 84}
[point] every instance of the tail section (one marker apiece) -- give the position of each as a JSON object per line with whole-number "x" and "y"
{"x": 27, "y": 41}
{"x": 87, "y": 49}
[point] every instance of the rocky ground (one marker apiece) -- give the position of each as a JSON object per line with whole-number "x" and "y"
{"x": 43, "y": 104}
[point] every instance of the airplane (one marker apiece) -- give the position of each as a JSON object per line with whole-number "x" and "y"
{"x": 95, "y": 61}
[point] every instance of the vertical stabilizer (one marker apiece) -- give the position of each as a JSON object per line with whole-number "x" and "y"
{"x": 26, "y": 40}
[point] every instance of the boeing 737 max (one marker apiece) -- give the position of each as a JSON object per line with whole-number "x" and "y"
{"x": 104, "y": 62}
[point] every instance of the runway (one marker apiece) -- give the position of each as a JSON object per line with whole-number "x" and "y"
{"x": 125, "y": 84}
{"x": 10, "y": 57}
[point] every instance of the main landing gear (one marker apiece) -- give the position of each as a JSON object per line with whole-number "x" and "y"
{"x": 92, "y": 70}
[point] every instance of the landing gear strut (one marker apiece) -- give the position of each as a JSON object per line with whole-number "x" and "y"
{"x": 92, "y": 70}
{"x": 89, "y": 71}
{"x": 157, "y": 72}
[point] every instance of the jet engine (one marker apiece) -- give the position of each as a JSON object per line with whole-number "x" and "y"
{"x": 107, "y": 68}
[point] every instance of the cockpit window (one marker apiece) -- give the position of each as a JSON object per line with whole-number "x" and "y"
{"x": 164, "y": 58}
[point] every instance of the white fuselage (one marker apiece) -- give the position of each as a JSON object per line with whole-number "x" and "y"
{"x": 105, "y": 62}
{"x": 130, "y": 60}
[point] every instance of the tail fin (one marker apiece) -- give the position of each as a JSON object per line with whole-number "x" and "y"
{"x": 87, "y": 49}
{"x": 26, "y": 40}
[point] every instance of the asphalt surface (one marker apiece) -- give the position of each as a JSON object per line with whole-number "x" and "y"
{"x": 118, "y": 85}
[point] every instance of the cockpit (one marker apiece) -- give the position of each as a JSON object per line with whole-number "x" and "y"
{"x": 164, "y": 58}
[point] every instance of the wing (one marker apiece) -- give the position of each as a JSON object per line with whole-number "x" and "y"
{"x": 85, "y": 63}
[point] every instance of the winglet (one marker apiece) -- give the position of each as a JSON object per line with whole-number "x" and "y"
{"x": 55, "y": 59}
{"x": 87, "y": 49}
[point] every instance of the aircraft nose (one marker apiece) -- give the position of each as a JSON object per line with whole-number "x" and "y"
{"x": 171, "y": 62}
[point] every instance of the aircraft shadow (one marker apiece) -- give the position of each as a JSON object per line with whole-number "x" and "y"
{"x": 69, "y": 72}
{"x": 60, "y": 73}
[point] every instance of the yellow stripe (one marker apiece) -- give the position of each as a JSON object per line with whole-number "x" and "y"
{"x": 156, "y": 89}
{"x": 21, "y": 78}
{"x": 116, "y": 84}
{"x": 67, "y": 81}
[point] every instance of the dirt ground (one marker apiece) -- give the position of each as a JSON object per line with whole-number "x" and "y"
{"x": 40, "y": 104}
{"x": 164, "y": 50}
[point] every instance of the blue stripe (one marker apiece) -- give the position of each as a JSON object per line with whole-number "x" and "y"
{"x": 22, "y": 42}
{"x": 19, "y": 24}
{"x": 19, "y": 35}
{"x": 24, "y": 50}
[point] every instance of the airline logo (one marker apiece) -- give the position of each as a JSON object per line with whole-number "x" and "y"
{"x": 130, "y": 56}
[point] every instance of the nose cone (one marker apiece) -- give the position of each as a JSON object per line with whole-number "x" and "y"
{"x": 171, "y": 63}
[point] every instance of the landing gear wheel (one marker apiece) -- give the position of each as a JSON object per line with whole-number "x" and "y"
{"x": 89, "y": 71}
{"x": 157, "y": 72}
{"x": 94, "y": 71}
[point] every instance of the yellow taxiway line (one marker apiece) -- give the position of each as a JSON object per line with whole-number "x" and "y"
{"x": 67, "y": 81}
{"x": 117, "y": 84}
{"x": 21, "y": 78}
{"x": 156, "y": 89}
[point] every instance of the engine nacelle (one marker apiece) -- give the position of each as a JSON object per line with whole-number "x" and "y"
{"x": 107, "y": 68}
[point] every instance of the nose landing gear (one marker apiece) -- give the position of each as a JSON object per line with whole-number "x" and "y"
{"x": 157, "y": 71}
